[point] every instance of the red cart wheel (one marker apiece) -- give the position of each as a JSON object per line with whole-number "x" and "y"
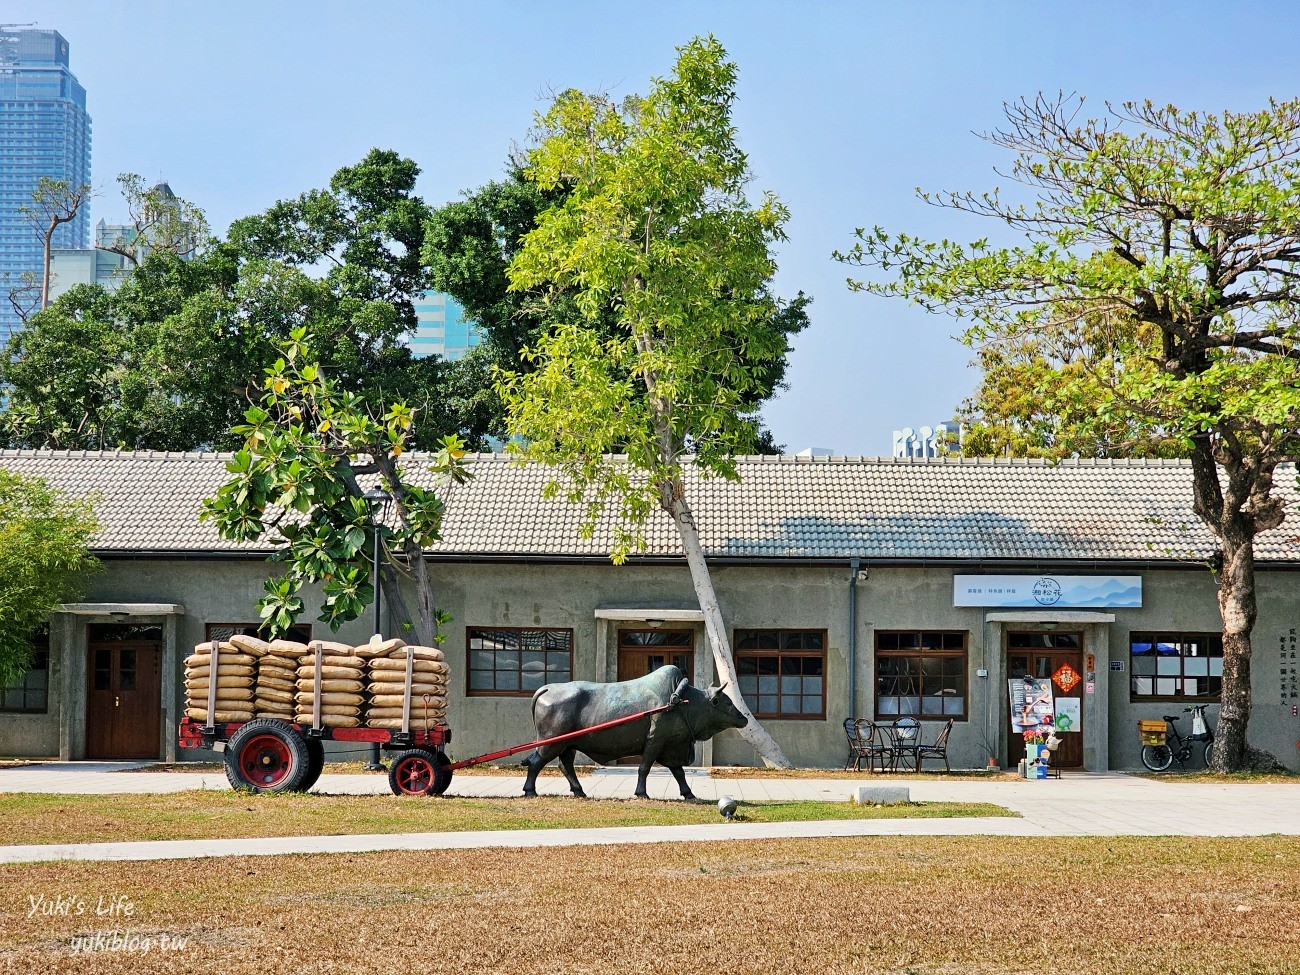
{"x": 441, "y": 774}
{"x": 267, "y": 755}
{"x": 414, "y": 773}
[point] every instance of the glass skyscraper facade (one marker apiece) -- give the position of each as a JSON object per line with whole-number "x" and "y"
{"x": 443, "y": 329}
{"x": 44, "y": 131}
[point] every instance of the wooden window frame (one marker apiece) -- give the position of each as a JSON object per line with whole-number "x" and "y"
{"x": 471, "y": 630}
{"x": 1172, "y": 636}
{"x": 778, "y": 654}
{"x": 920, "y": 652}
{"x": 40, "y": 661}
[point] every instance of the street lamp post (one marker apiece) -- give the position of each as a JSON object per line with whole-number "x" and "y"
{"x": 378, "y": 499}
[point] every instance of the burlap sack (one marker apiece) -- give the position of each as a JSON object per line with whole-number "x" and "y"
{"x": 222, "y": 717}
{"x": 289, "y": 664}
{"x": 382, "y": 649}
{"x": 329, "y": 699}
{"x": 331, "y": 660}
{"x": 274, "y": 707}
{"x": 436, "y": 710}
{"x": 274, "y": 684}
{"x": 223, "y": 696}
{"x": 280, "y": 715}
{"x": 250, "y": 644}
{"x": 332, "y": 648}
{"x": 391, "y": 664}
{"x": 270, "y": 694}
{"x": 419, "y": 653}
{"x": 286, "y": 648}
{"x": 223, "y": 670}
{"x": 221, "y": 681}
{"x": 335, "y": 673}
{"x": 329, "y": 720}
{"x": 388, "y": 690}
{"x": 417, "y": 724}
{"x": 417, "y": 699}
{"x": 205, "y": 659}
{"x": 332, "y": 684}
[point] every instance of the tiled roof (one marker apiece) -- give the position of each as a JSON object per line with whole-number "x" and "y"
{"x": 786, "y": 507}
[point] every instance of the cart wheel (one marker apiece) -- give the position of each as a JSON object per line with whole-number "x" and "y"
{"x": 315, "y": 764}
{"x": 441, "y": 774}
{"x": 414, "y": 773}
{"x": 267, "y": 755}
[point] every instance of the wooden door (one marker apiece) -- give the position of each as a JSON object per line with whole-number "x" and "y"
{"x": 123, "y": 703}
{"x": 642, "y": 652}
{"x": 1058, "y": 657}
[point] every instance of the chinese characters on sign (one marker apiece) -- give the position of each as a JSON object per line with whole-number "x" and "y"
{"x": 1067, "y": 678}
{"x": 1289, "y": 680}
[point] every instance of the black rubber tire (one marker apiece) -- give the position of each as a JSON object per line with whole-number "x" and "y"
{"x": 442, "y": 774}
{"x": 277, "y": 768}
{"x": 1208, "y": 754}
{"x": 413, "y": 772}
{"x": 1157, "y": 758}
{"x": 315, "y": 765}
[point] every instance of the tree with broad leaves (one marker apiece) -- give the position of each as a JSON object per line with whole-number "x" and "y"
{"x": 54, "y": 203}
{"x": 297, "y": 482}
{"x": 45, "y": 558}
{"x": 1187, "y": 224}
{"x": 664, "y": 267}
{"x": 160, "y": 222}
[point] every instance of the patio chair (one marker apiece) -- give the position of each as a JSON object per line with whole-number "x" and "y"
{"x": 854, "y": 760}
{"x": 877, "y": 748}
{"x": 938, "y": 749}
{"x": 905, "y": 740}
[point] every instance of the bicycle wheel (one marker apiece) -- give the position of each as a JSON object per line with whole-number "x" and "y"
{"x": 1209, "y": 753}
{"x": 1157, "y": 757}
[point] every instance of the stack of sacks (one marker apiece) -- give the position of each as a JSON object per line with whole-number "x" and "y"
{"x": 277, "y": 669}
{"x": 342, "y": 676}
{"x": 234, "y": 677}
{"x": 387, "y": 685}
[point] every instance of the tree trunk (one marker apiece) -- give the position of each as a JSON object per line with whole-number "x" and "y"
{"x": 45, "y": 273}
{"x": 674, "y": 502}
{"x": 1238, "y": 608}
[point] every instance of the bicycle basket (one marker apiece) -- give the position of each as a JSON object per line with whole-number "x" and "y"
{"x": 1152, "y": 732}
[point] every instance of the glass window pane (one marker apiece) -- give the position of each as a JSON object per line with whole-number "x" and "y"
{"x": 1216, "y": 666}
{"x": 1169, "y": 665}
{"x": 954, "y": 705}
{"x": 910, "y": 705}
{"x": 531, "y": 680}
{"x": 812, "y": 705}
{"x": 887, "y": 705}
{"x": 887, "y": 641}
{"x": 767, "y": 640}
{"x": 909, "y": 641}
{"x": 790, "y": 705}
{"x": 507, "y": 680}
{"x": 812, "y": 685}
{"x": 953, "y": 641}
{"x": 813, "y": 666}
{"x": 1196, "y": 667}
{"x": 1142, "y": 687}
{"x": 813, "y": 640}
{"x": 746, "y": 665}
{"x": 931, "y": 641}
{"x": 482, "y": 660}
{"x": 767, "y": 704}
{"x": 1146, "y": 666}
{"x": 767, "y": 685}
{"x": 932, "y": 705}
{"x": 1166, "y": 686}
{"x": 748, "y": 687}
{"x": 480, "y": 680}
{"x": 768, "y": 666}
{"x": 791, "y": 685}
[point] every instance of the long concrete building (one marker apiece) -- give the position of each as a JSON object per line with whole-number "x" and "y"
{"x": 852, "y": 587}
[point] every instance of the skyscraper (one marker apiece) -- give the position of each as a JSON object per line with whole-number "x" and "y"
{"x": 443, "y": 329}
{"x": 44, "y": 131}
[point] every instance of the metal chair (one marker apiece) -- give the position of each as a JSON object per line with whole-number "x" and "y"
{"x": 938, "y": 749}
{"x": 876, "y": 746}
{"x": 905, "y": 735}
{"x": 854, "y": 760}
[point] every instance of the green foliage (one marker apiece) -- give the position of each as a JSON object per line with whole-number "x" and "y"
{"x": 660, "y": 265}
{"x": 295, "y": 482}
{"x": 44, "y": 559}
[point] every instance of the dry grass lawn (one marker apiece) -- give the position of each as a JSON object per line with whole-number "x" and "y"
{"x": 964, "y": 775}
{"x": 903, "y": 906}
{"x": 40, "y": 818}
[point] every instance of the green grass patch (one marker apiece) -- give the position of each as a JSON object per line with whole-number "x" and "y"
{"x": 40, "y": 818}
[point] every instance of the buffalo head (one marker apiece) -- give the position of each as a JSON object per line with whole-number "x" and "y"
{"x": 722, "y": 712}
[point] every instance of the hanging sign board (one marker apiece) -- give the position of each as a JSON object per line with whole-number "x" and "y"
{"x": 1069, "y": 714}
{"x": 1059, "y": 592}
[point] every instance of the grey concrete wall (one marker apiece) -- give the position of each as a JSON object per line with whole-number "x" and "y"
{"x": 751, "y": 597}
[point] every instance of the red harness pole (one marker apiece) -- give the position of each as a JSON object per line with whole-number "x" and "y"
{"x": 516, "y": 749}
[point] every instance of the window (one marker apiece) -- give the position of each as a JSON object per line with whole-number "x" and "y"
{"x": 921, "y": 674}
{"x": 30, "y": 695}
{"x": 298, "y": 633}
{"x": 517, "y": 661}
{"x": 783, "y": 672}
{"x": 1181, "y": 666}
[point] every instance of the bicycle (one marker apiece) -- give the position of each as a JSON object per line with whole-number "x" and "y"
{"x": 1159, "y": 755}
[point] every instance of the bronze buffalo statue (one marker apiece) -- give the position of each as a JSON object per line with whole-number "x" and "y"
{"x": 668, "y": 737}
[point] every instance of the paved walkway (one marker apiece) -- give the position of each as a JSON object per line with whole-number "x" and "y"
{"x": 1111, "y": 804}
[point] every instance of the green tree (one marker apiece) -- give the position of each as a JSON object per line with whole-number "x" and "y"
{"x": 54, "y": 203}
{"x": 44, "y": 560}
{"x": 296, "y": 482}
{"x": 160, "y": 221}
{"x": 470, "y": 244}
{"x": 667, "y": 266}
{"x": 1198, "y": 215}
{"x": 171, "y": 359}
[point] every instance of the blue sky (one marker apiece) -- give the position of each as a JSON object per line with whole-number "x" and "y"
{"x": 845, "y": 108}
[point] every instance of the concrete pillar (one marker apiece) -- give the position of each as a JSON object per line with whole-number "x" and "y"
{"x": 1096, "y": 731}
{"x": 997, "y": 720}
{"x": 168, "y": 688}
{"x": 703, "y": 677}
{"x": 72, "y": 723}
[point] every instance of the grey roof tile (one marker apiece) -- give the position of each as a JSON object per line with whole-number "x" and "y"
{"x": 782, "y": 507}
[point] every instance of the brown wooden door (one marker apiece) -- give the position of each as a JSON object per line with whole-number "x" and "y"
{"x": 123, "y": 703}
{"x": 1057, "y": 657}
{"x": 642, "y": 652}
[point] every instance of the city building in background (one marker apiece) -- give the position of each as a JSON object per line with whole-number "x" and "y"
{"x": 443, "y": 329}
{"x": 44, "y": 132}
{"x": 940, "y": 440}
{"x": 104, "y": 266}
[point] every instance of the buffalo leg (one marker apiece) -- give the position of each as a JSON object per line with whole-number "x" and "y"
{"x": 534, "y": 763}
{"x": 566, "y": 763}
{"x": 680, "y": 776}
{"x": 648, "y": 758}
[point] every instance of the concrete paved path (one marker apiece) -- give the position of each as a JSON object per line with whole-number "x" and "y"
{"x": 1112, "y": 804}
